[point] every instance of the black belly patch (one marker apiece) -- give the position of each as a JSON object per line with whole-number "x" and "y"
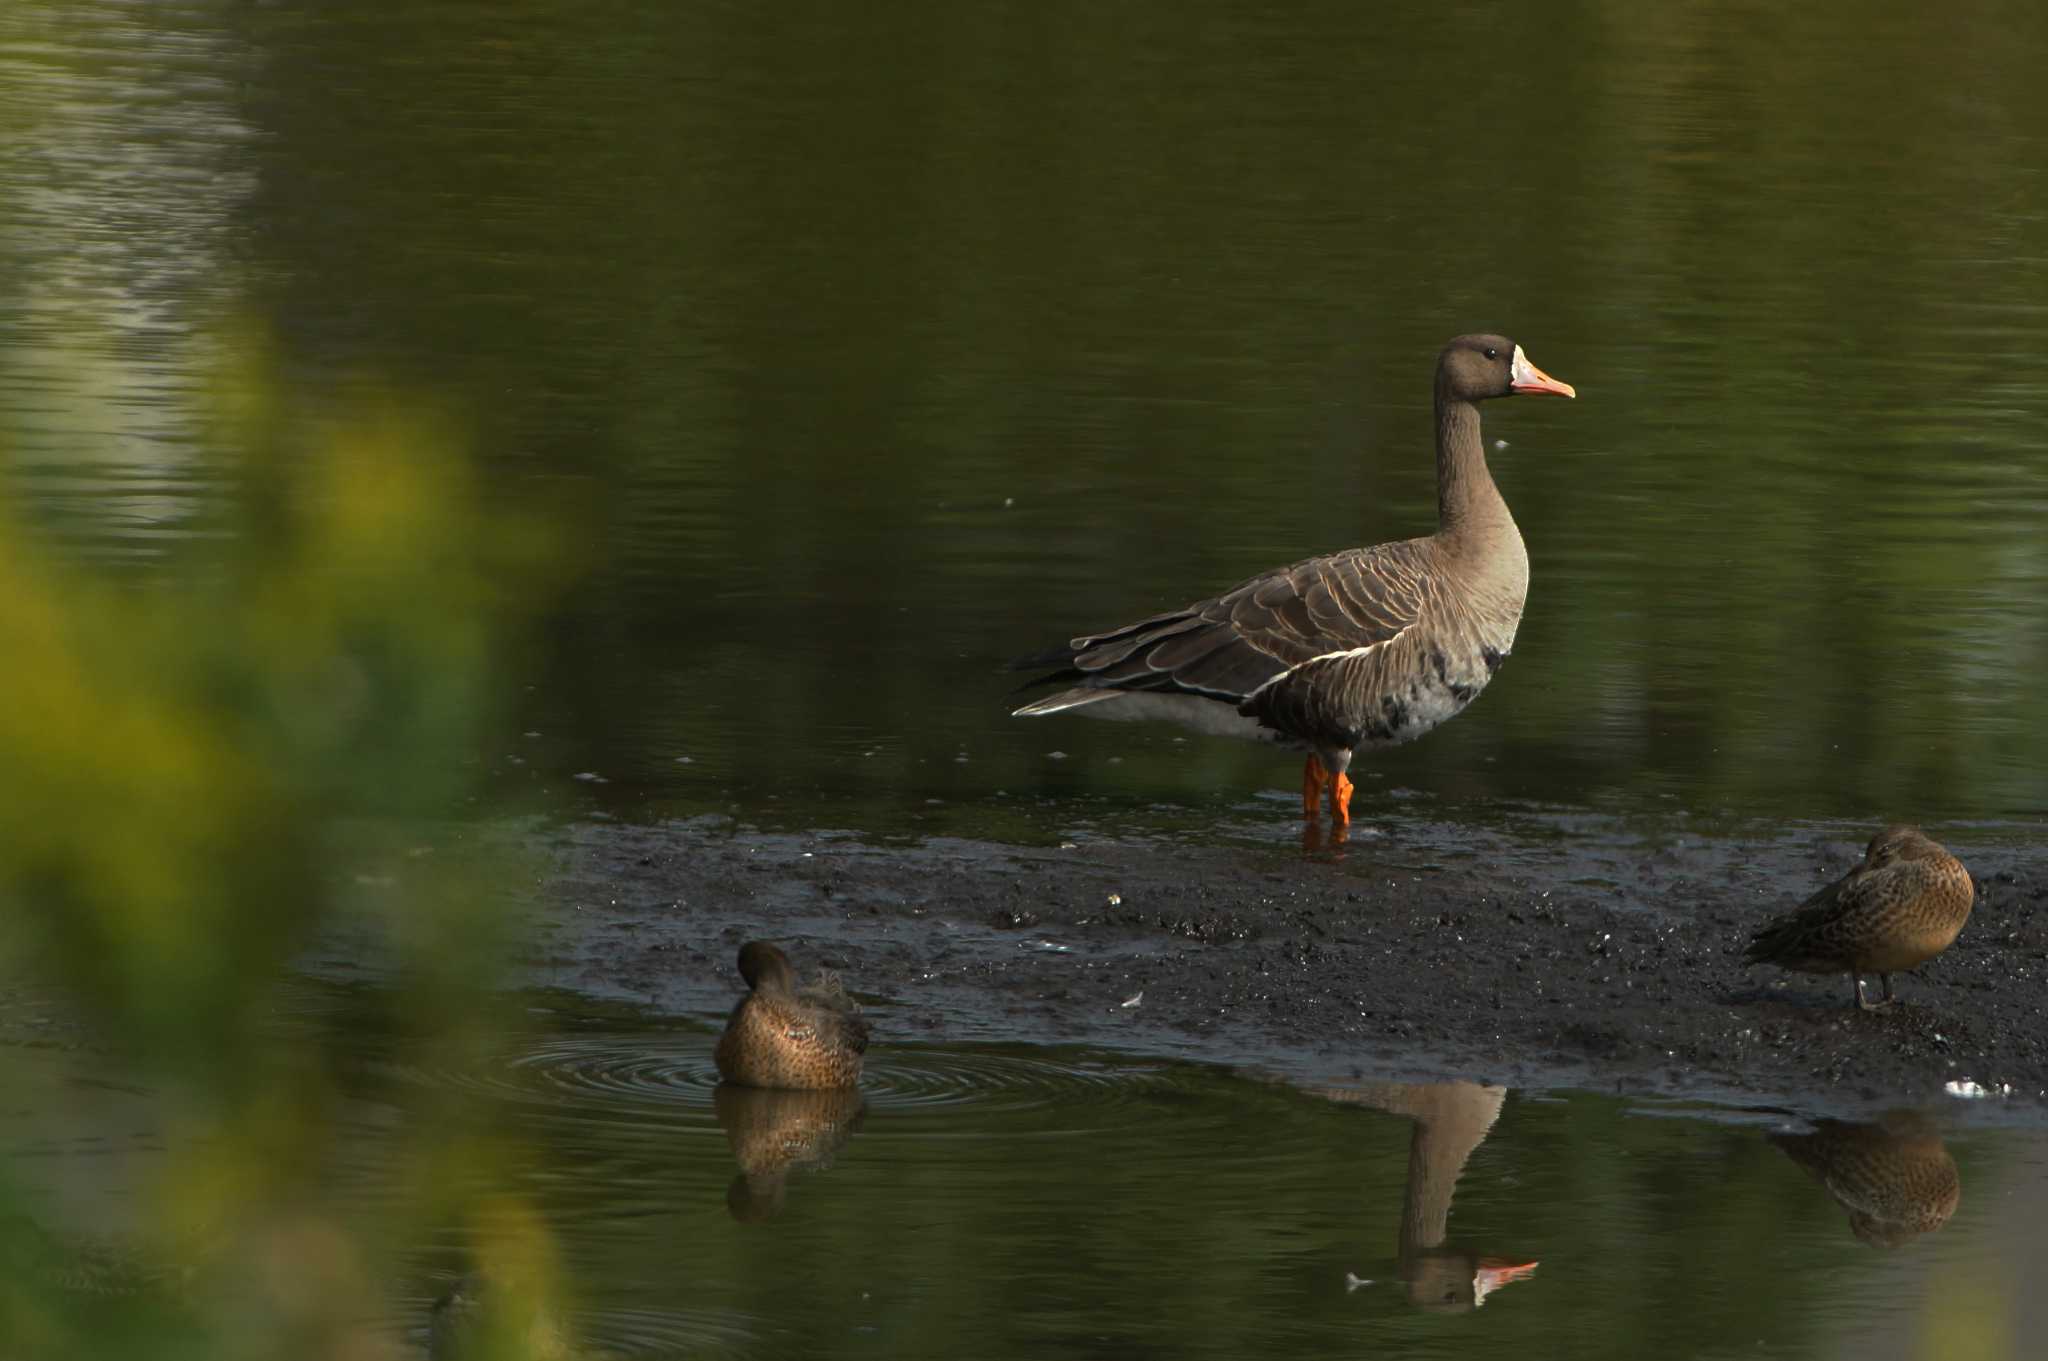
{"x": 1391, "y": 720}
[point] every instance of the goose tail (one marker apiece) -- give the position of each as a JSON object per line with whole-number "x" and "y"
{"x": 1064, "y": 700}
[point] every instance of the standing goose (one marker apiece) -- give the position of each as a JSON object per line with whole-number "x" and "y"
{"x": 1901, "y": 907}
{"x": 1364, "y": 648}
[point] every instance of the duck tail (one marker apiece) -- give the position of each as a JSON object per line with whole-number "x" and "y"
{"x": 1772, "y": 943}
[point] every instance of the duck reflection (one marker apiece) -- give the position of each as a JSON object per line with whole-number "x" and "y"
{"x": 1893, "y": 1175}
{"x": 774, "y": 1133}
{"x": 1451, "y": 1119}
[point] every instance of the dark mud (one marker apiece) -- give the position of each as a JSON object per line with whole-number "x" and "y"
{"x": 1562, "y": 953}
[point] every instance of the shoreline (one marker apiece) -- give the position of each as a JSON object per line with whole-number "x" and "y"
{"x": 1592, "y": 959}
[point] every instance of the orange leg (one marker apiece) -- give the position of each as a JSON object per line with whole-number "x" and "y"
{"x": 1340, "y": 800}
{"x": 1313, "y": 778}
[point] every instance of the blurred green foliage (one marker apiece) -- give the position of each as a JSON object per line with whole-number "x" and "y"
{"x": 253, "y": 752}
{"x": 872, "y": 347}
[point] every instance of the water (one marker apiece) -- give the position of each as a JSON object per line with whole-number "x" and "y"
{"x": 1019, "y": 1203}
{"x": 860, "y": 350}
{"x": 865, "y": 352}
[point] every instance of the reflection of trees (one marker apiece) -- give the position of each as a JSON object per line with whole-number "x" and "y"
{"x": 117, "y": 256}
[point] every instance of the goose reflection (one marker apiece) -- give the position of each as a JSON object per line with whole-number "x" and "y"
{"x": 1318, "y": 842}
{"x": 1893, "y": 1175}
{"x": 1451, "y": 1120}
{"x": 774, "y": 1133}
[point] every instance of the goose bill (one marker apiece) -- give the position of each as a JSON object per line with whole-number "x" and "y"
{"x": 1493, "y": 1273}
{"x": 1528, "y": 378}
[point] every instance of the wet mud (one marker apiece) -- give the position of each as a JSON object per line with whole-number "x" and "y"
{"x": 1563, "y": 952}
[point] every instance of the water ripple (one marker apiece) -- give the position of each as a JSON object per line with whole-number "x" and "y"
{"x": 609, "y": 1331}
{"x": 623, "y": 1331}
{"x": 669, "y": 1078}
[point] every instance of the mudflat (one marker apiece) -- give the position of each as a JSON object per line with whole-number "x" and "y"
{"x": 1567, "y": 951}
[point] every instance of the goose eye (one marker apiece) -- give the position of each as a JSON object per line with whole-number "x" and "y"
{"x": 1492, "y": 353}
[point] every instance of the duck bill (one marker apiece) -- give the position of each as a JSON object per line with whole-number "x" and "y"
{"x": 1528, "y": 378}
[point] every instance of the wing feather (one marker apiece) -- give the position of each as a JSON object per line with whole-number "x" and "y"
{"x": 1227, "y": 647}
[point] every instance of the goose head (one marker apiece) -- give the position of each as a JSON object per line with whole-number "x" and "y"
{"x": 1476, "y": 367}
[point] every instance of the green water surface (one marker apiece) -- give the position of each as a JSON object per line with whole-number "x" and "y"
{"x": 864, "y": 348}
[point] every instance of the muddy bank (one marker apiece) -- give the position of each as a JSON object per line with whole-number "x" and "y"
{"x": 1563, "y": 953}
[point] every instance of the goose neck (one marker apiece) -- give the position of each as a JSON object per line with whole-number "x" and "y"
{"x": 1466, "y": 498}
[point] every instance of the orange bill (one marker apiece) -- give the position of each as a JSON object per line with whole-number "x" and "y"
{"x": 1494, "y": 1273}
{"x": 1528, "y": 378}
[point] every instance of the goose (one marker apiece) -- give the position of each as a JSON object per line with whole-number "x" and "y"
{"x": 1365, "y": 648}
{"x": 1901, "y": 907}
{"x": 808, "y": 1038}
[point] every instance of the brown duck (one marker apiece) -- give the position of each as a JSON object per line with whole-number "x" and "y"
{"x": 781, "y": 1035}
{"x": 1901, "y": 907}
{"x": 1366, "y": 648}
{"x": 1894, "y": 1176}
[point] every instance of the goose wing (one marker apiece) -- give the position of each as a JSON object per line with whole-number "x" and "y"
{"x": 1227, "y": 647}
